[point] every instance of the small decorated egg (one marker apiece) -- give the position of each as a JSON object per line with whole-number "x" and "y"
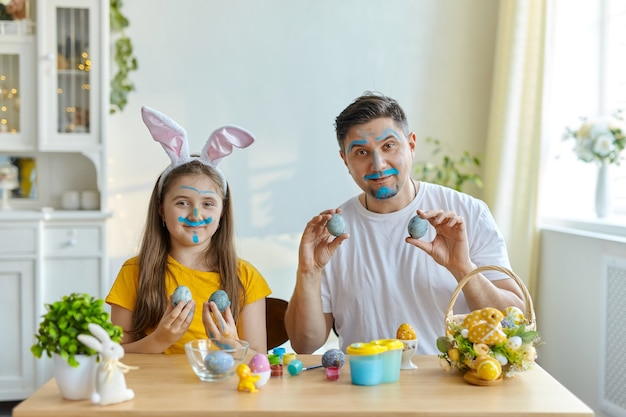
{"x": 218, "y": 362}
{"x": 333, "y": 358}
{"x": 488, "y": 368}
{"x": 514, "y": 342}
{"x": 220, "y": 298}
{"x": 513, "y": 317}
{"x": 336, "y": 225}
{"x": 260, "y": 365}
{"x": 406, "y": 332}
{"x": 417, "y": 227}
{"x": 181, "y": 293}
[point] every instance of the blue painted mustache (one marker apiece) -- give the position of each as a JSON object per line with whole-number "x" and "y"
{"x": 195, "y": 224}
{"x": 390, "y": 171}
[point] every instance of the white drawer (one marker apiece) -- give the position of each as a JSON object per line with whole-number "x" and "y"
{"x": 18, "y": 240}
{"x": 60, "y": 241}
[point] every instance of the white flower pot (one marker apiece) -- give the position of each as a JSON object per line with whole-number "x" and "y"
{"x": 75, "y": 383}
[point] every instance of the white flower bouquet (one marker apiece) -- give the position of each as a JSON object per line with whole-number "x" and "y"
{"x": 601, "y": 139}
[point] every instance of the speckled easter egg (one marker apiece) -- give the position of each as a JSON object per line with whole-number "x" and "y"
{"x": 333, "y": 357}
{"x": 220, "y": 298}
{"x": 406, "y": 332}
{"x": 218, "y": 362}
{"x": 259, "y": 363}
{"x": 181, "y": 293}
{"x": 336, "y": 225}
{"x": 417, "y": 227}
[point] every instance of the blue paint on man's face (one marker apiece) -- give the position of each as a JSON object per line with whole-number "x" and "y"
{"x": 195, "y": 224}
{"x": 381, "y": 174}
{"x": 360, "y": 142}
{"x": 385, "y": 192}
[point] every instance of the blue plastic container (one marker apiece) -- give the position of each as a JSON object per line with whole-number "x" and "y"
{"x": 392, "y": 358}
{"x": 366, "y": 363}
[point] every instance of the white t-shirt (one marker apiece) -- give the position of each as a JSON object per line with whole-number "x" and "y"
{"x": 376, "y": 281}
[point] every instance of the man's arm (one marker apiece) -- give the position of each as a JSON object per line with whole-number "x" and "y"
{"x": 450, "y": 249}
{"x": 306, "y": 324}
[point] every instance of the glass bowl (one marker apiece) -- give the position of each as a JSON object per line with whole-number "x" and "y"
{"x": 215, "y": 359}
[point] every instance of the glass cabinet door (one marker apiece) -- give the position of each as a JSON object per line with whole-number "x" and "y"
{"x": 17, "y": 94}
{"x": 73, "y": 70}
{"x": 71, "y": 79}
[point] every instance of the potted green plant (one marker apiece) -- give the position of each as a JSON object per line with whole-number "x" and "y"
{"x": 58, "y": 338}
{"x": 452, "y": 171}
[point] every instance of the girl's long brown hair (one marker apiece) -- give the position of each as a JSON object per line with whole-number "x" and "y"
{"x": 152, "y": 297}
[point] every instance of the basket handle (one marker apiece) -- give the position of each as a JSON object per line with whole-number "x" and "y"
{"x": 530, "y": 310}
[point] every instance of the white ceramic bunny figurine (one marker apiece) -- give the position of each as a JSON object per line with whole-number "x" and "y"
{"x": 110, "y": 380}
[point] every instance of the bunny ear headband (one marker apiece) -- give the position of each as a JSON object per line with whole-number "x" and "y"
{"x": 173, "y": 138}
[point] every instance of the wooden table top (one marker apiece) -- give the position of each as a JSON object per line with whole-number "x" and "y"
{"x": 165, "y": 385}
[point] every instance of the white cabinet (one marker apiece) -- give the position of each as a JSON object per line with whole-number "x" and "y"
{"x": 55, "y": 73}
{"x": 57, "y": 85}
{"x": 17, "y": 278}
{"x": 43, "y": 256}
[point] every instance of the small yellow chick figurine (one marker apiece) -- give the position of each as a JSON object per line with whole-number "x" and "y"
{"x": 484, "y": 326}
{"x": 246, "y": 379}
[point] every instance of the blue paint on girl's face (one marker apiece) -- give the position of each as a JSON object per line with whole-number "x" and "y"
{"x": 195, "y": 224}
{"x": 195, "y": 212}
{"x": 196, "y": 190}
{"x": 195, "y": 237}
{"x": 381, "y": 174}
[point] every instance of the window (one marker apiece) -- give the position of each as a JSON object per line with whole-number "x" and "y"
{"x": 585, "y": 77}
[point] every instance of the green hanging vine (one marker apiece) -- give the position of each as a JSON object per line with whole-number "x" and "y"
{"x": 121, "y": 85}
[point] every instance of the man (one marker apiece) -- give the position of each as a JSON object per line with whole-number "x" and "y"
{"x": 371, "y": 279}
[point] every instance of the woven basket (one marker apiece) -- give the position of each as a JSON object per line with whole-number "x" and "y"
{"x": 529, "y": 314}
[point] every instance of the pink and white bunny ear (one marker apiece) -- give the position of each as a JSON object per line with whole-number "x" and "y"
{"x": 222, "y": 141}
{"x": 168, "y": 133}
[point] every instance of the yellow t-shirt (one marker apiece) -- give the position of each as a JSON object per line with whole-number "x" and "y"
{"x": 201, "y": 284}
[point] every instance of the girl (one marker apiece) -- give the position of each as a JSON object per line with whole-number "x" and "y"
{"x": 188, "y": 240}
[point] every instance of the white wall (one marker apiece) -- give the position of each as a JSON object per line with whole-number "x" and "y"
{"x": 284, "y": 69}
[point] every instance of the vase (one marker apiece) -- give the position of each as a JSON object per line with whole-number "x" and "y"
{"x": 603, "y": 195}
{"x": 75, "y": 383}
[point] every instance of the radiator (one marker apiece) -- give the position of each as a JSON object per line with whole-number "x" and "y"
{"x": 612, "y": 397}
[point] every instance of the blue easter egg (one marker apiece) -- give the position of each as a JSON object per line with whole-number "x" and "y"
{"x": 220, "y": 298}
{"x": 218, "y": 362}
{"x": 417, "y": 227}
{"x": 181, "y": 293}
{"x": 336, "y": 225}
{"x": 333, "y": 357}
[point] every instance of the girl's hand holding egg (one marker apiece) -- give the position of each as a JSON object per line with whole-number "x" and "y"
{"x": 220, "y": 298}
{"x": 181, "y": 293}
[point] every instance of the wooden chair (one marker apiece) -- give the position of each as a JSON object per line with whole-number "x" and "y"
{"x": 275, "y": 322}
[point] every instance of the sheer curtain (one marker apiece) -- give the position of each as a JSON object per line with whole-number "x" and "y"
{"x": 514, "y": 133}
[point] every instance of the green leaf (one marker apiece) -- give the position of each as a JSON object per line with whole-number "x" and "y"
{"x": 443, "y": 344}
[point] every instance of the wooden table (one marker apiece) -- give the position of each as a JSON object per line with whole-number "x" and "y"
{"x": 165, "y": 385}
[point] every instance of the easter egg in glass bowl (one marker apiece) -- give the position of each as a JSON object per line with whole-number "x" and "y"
{"x": 215, "y": 360}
